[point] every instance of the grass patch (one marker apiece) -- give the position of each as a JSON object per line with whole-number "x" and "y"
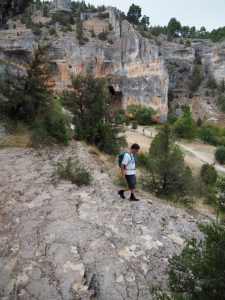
{"x": 77, "y": 175}
{"x": 18, "y": 136}
{"x": 94, "y": 151}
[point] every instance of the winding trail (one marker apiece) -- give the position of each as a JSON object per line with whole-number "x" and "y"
{"x": 59, "y": 241}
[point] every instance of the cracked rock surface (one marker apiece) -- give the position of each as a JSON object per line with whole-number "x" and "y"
{"x": 58, "y": 241}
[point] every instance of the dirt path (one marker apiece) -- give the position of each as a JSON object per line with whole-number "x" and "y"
{"x": 59, "y": 241}
{"x": 196, "y": 153}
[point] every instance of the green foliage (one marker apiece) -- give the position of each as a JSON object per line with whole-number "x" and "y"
{"x": 209, "y": 133}
{"x": 196, "y": 79}
{"x": 45, "y": 11}
{"x": 143, "y": 160}
{"x": 141, "y": 114}
{"x": 22, "y": 96}
{"x": 103, "y": 35}
{"x": 93, "y": 113}
{"x": 172, "y": 118}
{"x": 80, "y": 32}
{"x": 51, "y": 123}
{"x": 220, "y": 194}
{"x": 211, "y": 83}
{"x": 134, "y": 14}
{"x": 11, "y": 8}
{"x": 208, "y": 174}
{"x": 174, "y": 27}
{"x": 63, "y": 18}
{"x": 134, "y": 124}
{"x": 221, "y": 101}
{"x": 27, "y": 99}
{"x": 220, "y": 154}
{"x": 166, "y": 173}
{"x": 186, "y": 127}
{"x": 198, "y": 272}
{"x": 93, "y": 33}
{"x": 77, "y": 175}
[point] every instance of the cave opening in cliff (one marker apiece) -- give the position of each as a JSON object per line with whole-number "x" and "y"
{"x": 116, "y": 96}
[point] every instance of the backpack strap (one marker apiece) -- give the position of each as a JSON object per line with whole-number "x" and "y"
{"x": 130, "y": 160}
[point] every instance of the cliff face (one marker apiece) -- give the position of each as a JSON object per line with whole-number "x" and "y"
{"x": 180, "y": 62}
{"x": 137, "y": 69}
{"x": 131, "y": 63}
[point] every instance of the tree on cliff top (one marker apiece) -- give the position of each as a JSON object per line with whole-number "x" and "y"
{"x": 134, "y": 14}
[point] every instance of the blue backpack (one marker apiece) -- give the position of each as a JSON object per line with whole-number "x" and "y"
{"x": 121, "y": 156}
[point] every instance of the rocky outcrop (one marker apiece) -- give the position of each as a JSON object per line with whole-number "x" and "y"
{"x": 59, "y": 241}
{"x": 132, "y": 64}
{"x": 180, "y": 61}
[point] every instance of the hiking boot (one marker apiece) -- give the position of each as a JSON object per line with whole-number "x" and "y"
{"x": 121, "y": 194}
{"x": 133, "y": 198}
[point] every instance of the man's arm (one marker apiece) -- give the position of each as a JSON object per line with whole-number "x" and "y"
{"x": 123, "y": 170}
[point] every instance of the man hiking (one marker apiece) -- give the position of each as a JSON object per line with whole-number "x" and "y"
{"x": 128, "y": 172}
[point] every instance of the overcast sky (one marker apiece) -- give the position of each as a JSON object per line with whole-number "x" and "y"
{"x": 210, "y": 13}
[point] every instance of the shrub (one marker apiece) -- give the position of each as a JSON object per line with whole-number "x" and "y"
{"x": 93, "y": 33}
{"x": 45, "y": 11}
{"x": 103, "y": 35}
{"x": 52, "y": 31}
{"x": 220, "y": 154}
{"x": 51, "y": 123}
{"x": 77, "y": 175}
{"x": 198, "y": 272}
{"x": 209, "y": 133}
{"x": 134, "y": 124}
{"x": 186, "y": 127}
{"x": 94, "y": 119}
{"x": 143, "y": 115}
{"x": 208, "y": 174}
{"x": 172, "y": 118}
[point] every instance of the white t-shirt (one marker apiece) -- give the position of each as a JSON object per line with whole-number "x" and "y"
{"x": 129, "y": 163}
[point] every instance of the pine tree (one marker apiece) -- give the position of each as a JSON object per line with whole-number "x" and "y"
{"x": 167, "y": 174}
{"x": 92, "y": 110}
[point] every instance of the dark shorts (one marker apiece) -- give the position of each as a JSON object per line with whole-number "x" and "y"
{"x": 131, "y": 181}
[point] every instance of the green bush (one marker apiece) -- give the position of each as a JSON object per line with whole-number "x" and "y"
{"x": 209, "y": 134}
{"x": 143, "y": 115}
{"x": 208, "y": 174}
{"x": 186, "y": 127}
{"x": 220, "y": 154}
{"x": 63, "y": 18}
{"x": 77, "y": 175}
{"x": 172, "y": 118}
{"x": 134, "y": 124}
{"x": 198, "y": 272}
{"x": 103, "y": 35}
{"x": 51, "y": 123}
{"x": 94, "y": 118}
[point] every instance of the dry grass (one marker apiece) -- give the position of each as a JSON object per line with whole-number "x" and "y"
{"x": 20, "y": 138}
{"x": 94, "y": 151}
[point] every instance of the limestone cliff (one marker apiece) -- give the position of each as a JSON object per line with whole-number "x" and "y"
{"x": 180, "y": 61}
{"x": 131, "y": 63}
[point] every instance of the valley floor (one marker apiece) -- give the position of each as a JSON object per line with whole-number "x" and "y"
{"x": 59, "y": 241}
{"x": 196, "y": 152}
